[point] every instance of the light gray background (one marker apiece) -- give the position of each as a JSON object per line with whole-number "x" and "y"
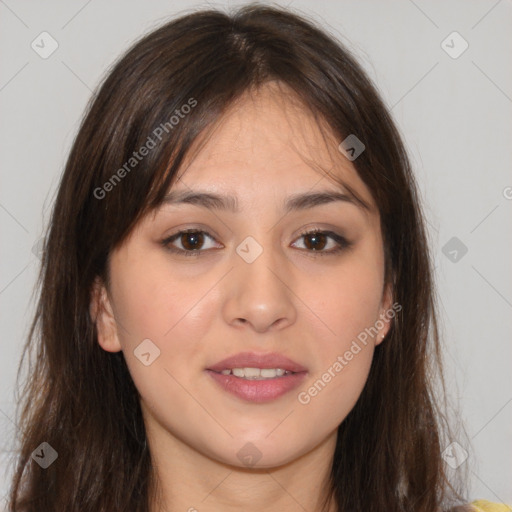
{"x": 455, "y": 115}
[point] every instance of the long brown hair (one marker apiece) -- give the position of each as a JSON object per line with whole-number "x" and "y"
{"x": 82, "y": 401}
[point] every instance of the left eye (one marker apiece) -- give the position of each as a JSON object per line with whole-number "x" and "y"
{"x": 316, "y": 241}
{"x": 192, "y": 242}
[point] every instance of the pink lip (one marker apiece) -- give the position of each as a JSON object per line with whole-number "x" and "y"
{"x": 258, "y": 390}
{"x": 252, "y": 360}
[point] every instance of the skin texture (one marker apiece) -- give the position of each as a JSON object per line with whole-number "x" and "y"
{"x": 291, "y": 300}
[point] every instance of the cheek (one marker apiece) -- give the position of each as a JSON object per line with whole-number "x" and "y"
{"x": 174, "y": 311}
{"x": 347, "y": 300}
{"x": 346, "y": 308}
{"x": 153, "y": 301}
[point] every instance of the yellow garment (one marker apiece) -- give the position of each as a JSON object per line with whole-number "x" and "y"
{"x": 488, "y": 506}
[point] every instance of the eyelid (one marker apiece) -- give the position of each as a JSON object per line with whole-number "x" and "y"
{"x": 341, "y": 242}
{"x": 168, "y": 240}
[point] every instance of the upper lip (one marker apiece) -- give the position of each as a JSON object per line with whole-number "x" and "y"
{"x": 253, "y": 360}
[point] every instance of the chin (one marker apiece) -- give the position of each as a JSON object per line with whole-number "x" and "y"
{"x": 261, "y": 453}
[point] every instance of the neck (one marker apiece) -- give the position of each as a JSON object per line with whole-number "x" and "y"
{"x": 184, "y": 479}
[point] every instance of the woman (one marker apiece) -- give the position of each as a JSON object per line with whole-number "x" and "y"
{"x": 236, "y": 306}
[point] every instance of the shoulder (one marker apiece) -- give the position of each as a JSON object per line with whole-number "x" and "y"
{"x": 488, "y": 506}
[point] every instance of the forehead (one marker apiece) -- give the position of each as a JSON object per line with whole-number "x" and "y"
{"x": 266, "y": 144}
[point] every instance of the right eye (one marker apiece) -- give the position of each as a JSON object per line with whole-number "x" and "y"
{"x": 191, "y": 241}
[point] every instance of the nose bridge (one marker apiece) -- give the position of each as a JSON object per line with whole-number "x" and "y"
{"x": 259, "y": 263}
{"x": 259, "y": 292}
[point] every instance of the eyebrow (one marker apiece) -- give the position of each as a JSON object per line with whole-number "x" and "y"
{"x": 296, "y": 202}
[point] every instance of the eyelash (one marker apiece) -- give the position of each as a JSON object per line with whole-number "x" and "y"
{"x": 342, "y": 242}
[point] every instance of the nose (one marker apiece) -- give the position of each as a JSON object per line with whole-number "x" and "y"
{"x": 260, "y": 293}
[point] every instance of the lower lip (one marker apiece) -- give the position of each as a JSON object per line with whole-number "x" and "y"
{"x": 258, "y": 390}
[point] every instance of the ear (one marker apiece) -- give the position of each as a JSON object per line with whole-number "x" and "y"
{"x": 102, "y": 315}
{"x": 387, "y": 312}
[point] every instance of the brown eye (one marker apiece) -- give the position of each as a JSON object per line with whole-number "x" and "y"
{"x": 324, "y": 242}
{"x": 315, "y": 241}
{"x": 188, "y": 242}
{"x": 192, "y": 241}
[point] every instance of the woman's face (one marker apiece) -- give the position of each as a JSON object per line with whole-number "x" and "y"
{"x": 250, "y": 285}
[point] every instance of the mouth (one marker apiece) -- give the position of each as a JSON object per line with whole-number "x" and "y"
{"x": 256, "y": 373}
{"x": 257, "y": 378}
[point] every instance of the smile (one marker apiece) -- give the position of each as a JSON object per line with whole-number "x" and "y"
{"x": 257, "y": 389}
{"x": 256, "y": 373}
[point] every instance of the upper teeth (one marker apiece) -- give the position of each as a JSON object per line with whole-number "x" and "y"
{"x": 255, "y": 373}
